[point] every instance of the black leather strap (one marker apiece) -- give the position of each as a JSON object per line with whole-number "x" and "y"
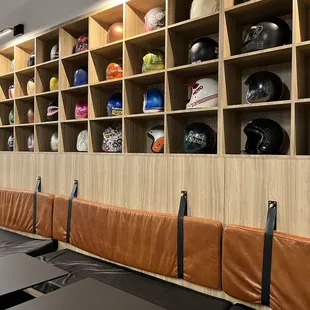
{"x": 34, "y": 212}
{"x": 182, "y": 213}
{"x": 271, "y": 226}
{"x": 72, "y": 196}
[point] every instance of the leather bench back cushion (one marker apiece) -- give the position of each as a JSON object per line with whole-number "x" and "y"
{"x": 16, "y": 211}
{"x": 290, "y": 273}
{"x": 144, "y": 240}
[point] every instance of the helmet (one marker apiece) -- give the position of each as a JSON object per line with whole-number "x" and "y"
{"x": 11, "y": 143}
{"x": 11, "y": 91}
{"x": 81, "y": 43}
{"x": 115, "y": 104}
{"x": 112, "y": 139}
{"x": 154, "y": 19}
{"x": 31, "y": 143}
{"x": 31, "y": 59}
{"x": 204, "y": 94}
{"x": 115, "y": 33}
{"x": 54, "y": 52}
{"x": 203, "y": 49}
{"x": 153, "y": 100}
{"x": 201, "y": 8}
{"x": 12, "y": 65}
{"x": 267, "y": 34}
{"x": 199, "y": 138}
{"x": 81, "y": 109}
{"x": 153, "y": 61}
{"x": 157, "y": 134}
{"x": 52, "y": 111}
{"x": 30, "y": 116}
{"x": 114, "y": 70}
{"x": 264, "y": 86}
{"x": 264, "y": 136}
{"x": 30, "y": 87}
{"x": 82, "y": 141}
{"x": 54, "y": 82}
{"x": 80, "y": 77}
{"x": 54, "y": 142}
{"x": 11, "y": 117}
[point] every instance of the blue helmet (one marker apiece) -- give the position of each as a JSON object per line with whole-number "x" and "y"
{"x": 115, "y": 105}
{"x": 80, "y": 77}
{"x": 153, "y": 100}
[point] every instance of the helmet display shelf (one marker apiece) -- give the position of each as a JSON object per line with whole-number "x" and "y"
{"x": 44, "y": 137}
{"x": 6, "y": 134}
{"x": 138, "y": 46}
{"x": 22, "y": 107}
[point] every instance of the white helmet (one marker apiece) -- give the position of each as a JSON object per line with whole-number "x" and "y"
{"x": 82, "y": 141}
{"x": 201, "y": 8}
{"x": 54, "y": 142}
{"x": 204, "y": 94}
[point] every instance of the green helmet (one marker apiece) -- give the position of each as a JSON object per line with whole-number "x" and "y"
{"x": 11, "y": 117}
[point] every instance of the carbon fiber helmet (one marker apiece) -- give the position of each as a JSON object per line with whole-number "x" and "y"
{"x": 264, "y": 136}
{"x": 203, "y": 49}
{"x": 264, "y": 86}
{"x": 270, "y": 33}
{"x": 199, "y": 138}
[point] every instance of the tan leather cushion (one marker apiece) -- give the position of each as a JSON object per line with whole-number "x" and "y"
{"x": 242, "y": 268}
{"x": 144, "y": 240}
{"x": 16, "y": 211}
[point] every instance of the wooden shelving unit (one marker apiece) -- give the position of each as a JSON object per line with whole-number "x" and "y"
{"x": 290, "y": 62}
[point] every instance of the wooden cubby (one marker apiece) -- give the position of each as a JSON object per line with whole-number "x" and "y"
{"x": 236, "y": 120}
{"x": 5, "y": 133}
{"x": 136, "y": 129}
{"x": 44, "y": 45}
{"x": 5, "y": 109}
{"x": 68, "y": 67}
{"x": 5, "y": 83}
{"x": 100, "y": 23}
{"x": 42, "y": 103}
{"x": 101, "y": 58}
{"x": 135, "y": 89}
{"x": 43, "y": 136}
{"x": 138, "y": 47}
{"x": 69, "y": 35}
{"x": 96, "y": 132}
{"x": 177, "y": 123}
{"x": 135, "y": 11}
{"x": 69, "y": 133}
{"x": 22, "y": 53}
{"x": 69, "y": 99}
{"x": 22, "y": 107}
{"x": 231, "y": 69}
{"x": 240, "y": 18}
{"x": 6, "y": 57}
{"x": 22, "y": 133}
{"x": 100, "y": 95}
{"x": 21, "y": 80}
{"x": 182, "y": 35}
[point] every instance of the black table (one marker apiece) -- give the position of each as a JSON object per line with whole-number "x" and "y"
{"x": 88, "y": 294}
{"x": 20, "y": 271}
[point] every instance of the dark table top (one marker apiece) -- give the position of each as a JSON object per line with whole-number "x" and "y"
{"x": 88, "y": 294}
{"x": 20, "y": 271}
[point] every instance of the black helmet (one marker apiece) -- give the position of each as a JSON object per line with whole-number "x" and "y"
{"x": 264, "y": 86}
{"x": 264, "y": 136}
{"x": 267, "y": 34}
{"x": 203, "y": 49}
{"x": 199, "y": 138}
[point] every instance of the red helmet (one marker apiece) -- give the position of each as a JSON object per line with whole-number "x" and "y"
{"x": 81, "y": 109}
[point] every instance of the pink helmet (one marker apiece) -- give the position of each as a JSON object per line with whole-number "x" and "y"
{"x": 81, "y": 109}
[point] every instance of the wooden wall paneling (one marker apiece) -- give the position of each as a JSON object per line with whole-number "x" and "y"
{"x": 251, "y": 182}
{"x": 9, "y": 172}
{"x": 26, "y": 170}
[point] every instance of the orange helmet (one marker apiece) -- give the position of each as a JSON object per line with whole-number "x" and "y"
{"x": 115, "y": 32}
{"x": 114, "y": 70}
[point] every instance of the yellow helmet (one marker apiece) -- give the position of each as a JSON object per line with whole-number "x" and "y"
{"x": 153, "y": 61}
{"x": 54, "y": 83}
